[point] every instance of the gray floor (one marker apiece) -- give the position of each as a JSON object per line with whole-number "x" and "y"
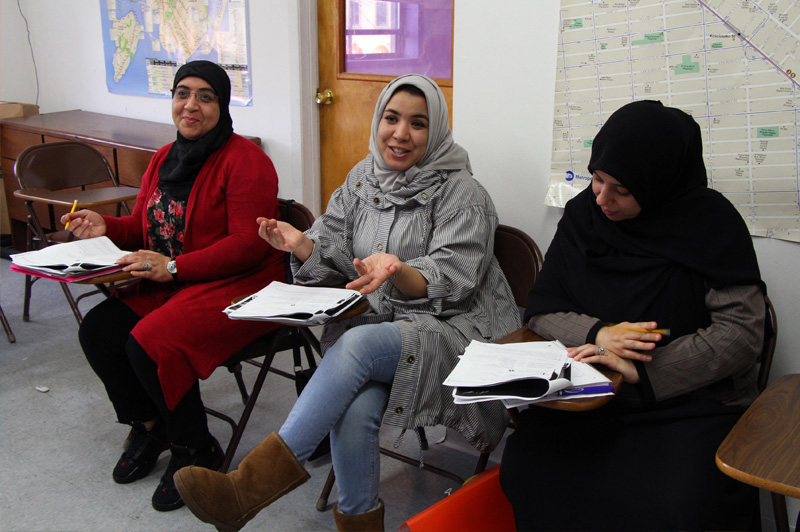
{"x": 57, "y": 448}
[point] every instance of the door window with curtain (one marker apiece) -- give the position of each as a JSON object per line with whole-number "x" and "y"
{"x": 397, "y": 37}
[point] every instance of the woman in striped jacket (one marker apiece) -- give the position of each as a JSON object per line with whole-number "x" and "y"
{"x": 413, "y": 230}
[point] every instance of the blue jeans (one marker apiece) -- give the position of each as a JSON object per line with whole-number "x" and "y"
{"x": 347, "y": 397}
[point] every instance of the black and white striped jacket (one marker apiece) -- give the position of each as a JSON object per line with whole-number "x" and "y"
{"x": 443, "y": 224}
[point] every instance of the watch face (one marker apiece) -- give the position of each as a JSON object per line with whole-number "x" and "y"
{"x": 171, "y": 267}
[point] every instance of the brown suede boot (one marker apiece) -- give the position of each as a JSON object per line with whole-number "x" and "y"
{"x": 371, "y": 521}
{"x": 228, "y": 502}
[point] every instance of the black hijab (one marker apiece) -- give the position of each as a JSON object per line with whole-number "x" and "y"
{"x": 658, "y": 265}
{"x": 186, "y": 157}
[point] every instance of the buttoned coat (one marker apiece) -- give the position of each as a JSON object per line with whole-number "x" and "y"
{"x": 442, "y": 223}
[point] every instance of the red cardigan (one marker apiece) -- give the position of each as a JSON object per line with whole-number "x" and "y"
{"x": 185, "y": 331}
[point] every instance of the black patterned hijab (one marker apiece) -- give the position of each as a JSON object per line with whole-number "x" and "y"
{"x": 658, "y": 265}
{"x": 186, "y": 157}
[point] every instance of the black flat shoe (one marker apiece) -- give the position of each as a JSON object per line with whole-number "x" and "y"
{"x": 166, "y": 497}
{"x": 142, "y": 452}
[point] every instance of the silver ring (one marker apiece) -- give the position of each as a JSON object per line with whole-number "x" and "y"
{"x": 147, "y": 267}
{"x": 601, "y": 350}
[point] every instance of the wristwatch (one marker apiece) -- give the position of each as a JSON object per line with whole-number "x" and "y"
{"x": 172, "y": 268}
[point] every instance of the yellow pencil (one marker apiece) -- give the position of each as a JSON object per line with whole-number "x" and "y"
{"x": 74, "y": 204}
{"x": 665, "y": 332}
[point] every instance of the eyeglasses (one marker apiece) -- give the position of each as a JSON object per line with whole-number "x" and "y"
{"x": 202, "y": 96}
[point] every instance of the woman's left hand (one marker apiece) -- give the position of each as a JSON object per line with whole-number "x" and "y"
{"x": 589, "y": 353}
{"x": 147, "y": 264}
{"x": 374, "y": 270}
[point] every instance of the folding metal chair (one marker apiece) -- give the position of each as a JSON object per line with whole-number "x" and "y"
{"x": 520, "y": 259}
{"x": 59, "y": 174}
{"x": 283, "y": 338}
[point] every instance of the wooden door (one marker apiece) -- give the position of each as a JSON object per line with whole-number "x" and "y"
{"x": 346, "y": 118}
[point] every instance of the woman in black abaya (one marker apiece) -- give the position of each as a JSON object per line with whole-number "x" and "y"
{"x": 647, "y": 246}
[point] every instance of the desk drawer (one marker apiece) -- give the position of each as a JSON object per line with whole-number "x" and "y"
{"x": 13, "y": 141}
{"x": 131, "y": 165}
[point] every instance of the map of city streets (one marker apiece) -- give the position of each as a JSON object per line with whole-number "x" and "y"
{"x": 146, "y": 41}
{"x": 734, "y": 65}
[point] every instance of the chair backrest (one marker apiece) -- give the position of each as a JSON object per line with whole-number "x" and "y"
{"x": 479, "y": 505}
{"x": 520, "y": 260}
{"x": 768, "y": 351}
{"x": 60, "y": 165}
{"x": 300, "y": 217}
{"x": 296, "y": 214}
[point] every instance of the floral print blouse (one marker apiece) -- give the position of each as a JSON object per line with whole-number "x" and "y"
{"x": 166, "y": 223}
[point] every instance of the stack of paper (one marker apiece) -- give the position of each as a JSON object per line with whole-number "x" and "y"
{"x": 79, "y": 259}
{"x": 522, "y": 373}
{"x": 299, "y": 305}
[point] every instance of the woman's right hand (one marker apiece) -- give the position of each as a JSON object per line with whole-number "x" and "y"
{"x": 85, "y": 223}
{"x": 285, "y": 237}
{"x": 627, "y": 340}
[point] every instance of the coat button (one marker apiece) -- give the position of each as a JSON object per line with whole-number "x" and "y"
{"x": 358, "y": 184}
{"x": 376, "y": 201}
{"x": 398, "y": 410}
{"x": 411, "y": 359}
{"x": 379, "y": 247}
{"x": 424, "y": 195}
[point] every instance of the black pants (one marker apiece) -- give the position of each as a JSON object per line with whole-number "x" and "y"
{"x": 131, "y": 377}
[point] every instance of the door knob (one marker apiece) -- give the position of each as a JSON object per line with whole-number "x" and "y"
{"x": 325, "y": 97}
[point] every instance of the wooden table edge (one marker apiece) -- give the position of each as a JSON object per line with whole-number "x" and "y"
{"x": 780, "y": 385}
{"x": 123, "y": 193}
{"x": 112, "y": 277}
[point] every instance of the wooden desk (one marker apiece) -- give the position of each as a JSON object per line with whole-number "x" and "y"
{"x": 763, "y": 448}
{"x": 127, "y": 143}
{"x": 524, "y": 334}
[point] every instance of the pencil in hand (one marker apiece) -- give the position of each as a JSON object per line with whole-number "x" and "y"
{"x": 74, "y": 205}
{"x": 662, "y": 332}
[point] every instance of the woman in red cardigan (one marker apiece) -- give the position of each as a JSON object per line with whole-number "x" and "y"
{"x": 194, "y": 228}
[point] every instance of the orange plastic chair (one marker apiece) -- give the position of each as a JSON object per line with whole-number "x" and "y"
{"x": 479, "y": 505}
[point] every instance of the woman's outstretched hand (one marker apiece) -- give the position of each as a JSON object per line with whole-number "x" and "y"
{"x": 285, "y": 237}
{"x": 375, "y": 270}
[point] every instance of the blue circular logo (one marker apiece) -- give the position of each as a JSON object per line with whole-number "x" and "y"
{"x": 570, "y": 175}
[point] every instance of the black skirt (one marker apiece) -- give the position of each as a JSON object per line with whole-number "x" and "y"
{"x": 618, "y": 469}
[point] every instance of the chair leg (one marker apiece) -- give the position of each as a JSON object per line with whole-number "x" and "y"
{"x": 312, "y": 362}
{"x": 26, "y": 302}
{"x": 311, "y": 339}
{"x": 72, "y": 303}
{"x": 7, "y": 327}
{"x": 237, "y": 374}
{"x": 483, "y": 459}
{"x": 322, "y": 501}
{"x": 219, "y": 415}
{"x": 779, "y": 509}
{"x": 248, "y": 409}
